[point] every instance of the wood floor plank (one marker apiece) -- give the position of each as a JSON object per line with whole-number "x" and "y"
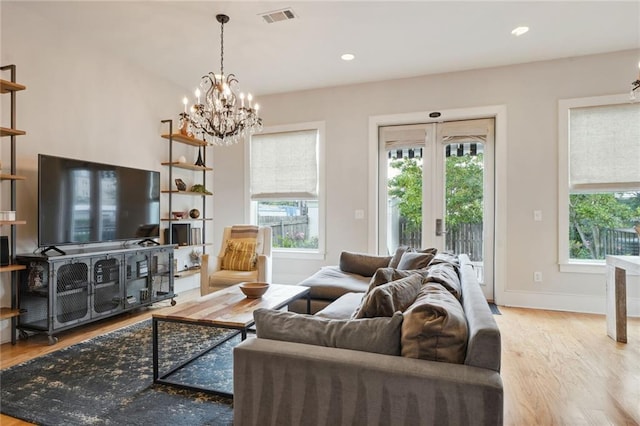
{"x": 558, "y": 368}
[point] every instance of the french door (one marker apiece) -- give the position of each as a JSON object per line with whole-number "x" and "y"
{"x": 436, "y": 189}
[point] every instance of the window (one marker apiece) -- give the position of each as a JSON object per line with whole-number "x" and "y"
{"x": 599, "y": 178}
{"x": 285, "y": 186}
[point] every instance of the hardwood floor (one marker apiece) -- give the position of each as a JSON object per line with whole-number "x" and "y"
{"x": 558, "y": 368}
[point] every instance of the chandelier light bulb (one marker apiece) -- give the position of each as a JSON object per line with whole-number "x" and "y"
{"x": 185, "y": 101}
{"x": 256, "y": 107}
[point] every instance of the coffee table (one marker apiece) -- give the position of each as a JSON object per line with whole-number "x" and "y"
{"x": 228, "y": 308}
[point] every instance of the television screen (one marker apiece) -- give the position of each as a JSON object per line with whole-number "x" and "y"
{"x": 82, "y": 202}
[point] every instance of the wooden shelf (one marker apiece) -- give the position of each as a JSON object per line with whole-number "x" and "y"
{"x": 186, "y": 273}
{"x": 13, "y": 222}
{"x": 5, "y": 131}
{"x": 6, "y": 313}
{"x": 187, "y": 166}
{"x": 8, "y": 86}
{"x": 179, "y": 137}
{"x": 4, "y": 176}
{"x": 11, "y": 268}
{"x": 177, "y": 247}
{"x": 175, "y": 191}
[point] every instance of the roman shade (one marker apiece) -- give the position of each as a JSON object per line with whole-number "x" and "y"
{"x": 284, "y": 166}
{"x": 604, "y": 147}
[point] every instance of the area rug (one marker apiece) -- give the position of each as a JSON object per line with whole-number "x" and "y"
{"x": 108, "y": 380}
{"x": 494, "y": 309}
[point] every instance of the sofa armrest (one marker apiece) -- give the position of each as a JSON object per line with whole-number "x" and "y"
{"x": 284, "y": 383}
{"x": 264, "y": 268}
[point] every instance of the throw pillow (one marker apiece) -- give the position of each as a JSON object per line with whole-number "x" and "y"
{"x": 435, "y": 327}
{"x": 415, "y": 260}
{"x": 362, "y": 264}
{"x": 240, "y": 256}
{"x": 386, "y": 299}
{"x": 378, "y": 335}
{"x": 386, "y": 275}
{"x": 393, "y": 263}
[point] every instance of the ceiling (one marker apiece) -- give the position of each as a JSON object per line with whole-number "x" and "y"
{"x": 179, "y": 40}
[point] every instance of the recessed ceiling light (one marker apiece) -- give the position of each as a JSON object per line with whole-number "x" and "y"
{"x": 348, "y": 57}
{"x": 519, "y": 31}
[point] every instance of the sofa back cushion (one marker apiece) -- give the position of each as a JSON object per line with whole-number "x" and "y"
{"x": 446, "y": 274}
{"x": 435, "y": 327}
{"x": 378, "y": 335}
{"x": 386, "y": 299}
{"x": 361, "y": 263}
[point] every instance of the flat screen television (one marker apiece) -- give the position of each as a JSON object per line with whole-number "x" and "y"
{"x": 82, "y": 202}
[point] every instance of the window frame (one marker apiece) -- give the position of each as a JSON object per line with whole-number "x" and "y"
{"x": 291, "y": 253}
{"x": 567, "y": 264}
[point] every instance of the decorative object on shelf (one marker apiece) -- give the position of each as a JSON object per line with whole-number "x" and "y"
{"x": 195, "y": 256}
{"x": 182, "y": 159}
{"x": 200, "y": 188}
{"x": 199, "y": 161}
{"x": 181, "y": 185}
{"x": 254, "y": 290}
{"x": 635, "y": 86}
{"x": 184, "y": 121}
{"x": 221, "y": 119}
{"x": 179, "y": 215}
{"x": 8, "y": 215}
{"x": 194, "y": 213}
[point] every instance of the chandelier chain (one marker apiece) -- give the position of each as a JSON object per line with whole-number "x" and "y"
{"x": 222, "y": 48}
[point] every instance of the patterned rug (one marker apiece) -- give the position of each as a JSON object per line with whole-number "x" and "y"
{"x": 108, "y": 380}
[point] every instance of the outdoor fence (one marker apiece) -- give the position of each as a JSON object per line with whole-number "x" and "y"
{"x": 465, "y": 238}
{"x": 286, "y": 226}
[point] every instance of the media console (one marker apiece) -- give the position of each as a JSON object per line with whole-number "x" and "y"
{"x": 59, "y": 292}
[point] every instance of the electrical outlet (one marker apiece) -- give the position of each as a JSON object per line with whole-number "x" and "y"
{"x": 537, "y": 215}
{"x": 359, "y": 214}
{"x": 537, "y": 277}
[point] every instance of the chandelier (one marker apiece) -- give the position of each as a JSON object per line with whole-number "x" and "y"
{"x": 224, "y": 117}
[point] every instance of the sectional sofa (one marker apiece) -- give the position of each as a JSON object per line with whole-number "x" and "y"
{"x": 433, "y": 359}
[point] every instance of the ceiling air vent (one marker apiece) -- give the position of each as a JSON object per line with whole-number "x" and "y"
{"x": 278, "y": 15}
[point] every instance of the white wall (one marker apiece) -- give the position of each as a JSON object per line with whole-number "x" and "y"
{"x": 80, "y": 103}
{"x": 530, "y": 94}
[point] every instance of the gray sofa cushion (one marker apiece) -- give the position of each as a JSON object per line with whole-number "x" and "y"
{"x": 414, "y": 260}
{"x": 435, "y": 327}
{"x": 329, "y": 283}
{"x": 342, "y": 308}
{"x": 378, "y": 335}
{"x": 386, "y": 299}
{"x": 361, "y": 263}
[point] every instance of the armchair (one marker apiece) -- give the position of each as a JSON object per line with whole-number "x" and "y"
{"x": 212, "y": 276}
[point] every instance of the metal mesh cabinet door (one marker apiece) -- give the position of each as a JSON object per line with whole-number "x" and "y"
{"x": 33, "y": 294}
{"x": 107, "y": 285}
{"x": 71, "y": 301}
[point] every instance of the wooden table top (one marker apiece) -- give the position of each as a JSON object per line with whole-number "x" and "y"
{"x": 230, "y": 307}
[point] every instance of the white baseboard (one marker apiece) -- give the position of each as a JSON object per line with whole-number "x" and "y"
{"x": 563, "y": 302}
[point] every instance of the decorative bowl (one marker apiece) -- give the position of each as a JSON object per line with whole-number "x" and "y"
{"x": 254, "y": 290}
{"x": 179, "y": 215}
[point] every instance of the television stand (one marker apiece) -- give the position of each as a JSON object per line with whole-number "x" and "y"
{"x": 148, "y": 242}
{"x": 54, "y": 248}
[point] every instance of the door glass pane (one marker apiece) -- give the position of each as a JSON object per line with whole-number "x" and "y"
{"x": 404, "y": 200}
{"x": 464, "y": 198}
